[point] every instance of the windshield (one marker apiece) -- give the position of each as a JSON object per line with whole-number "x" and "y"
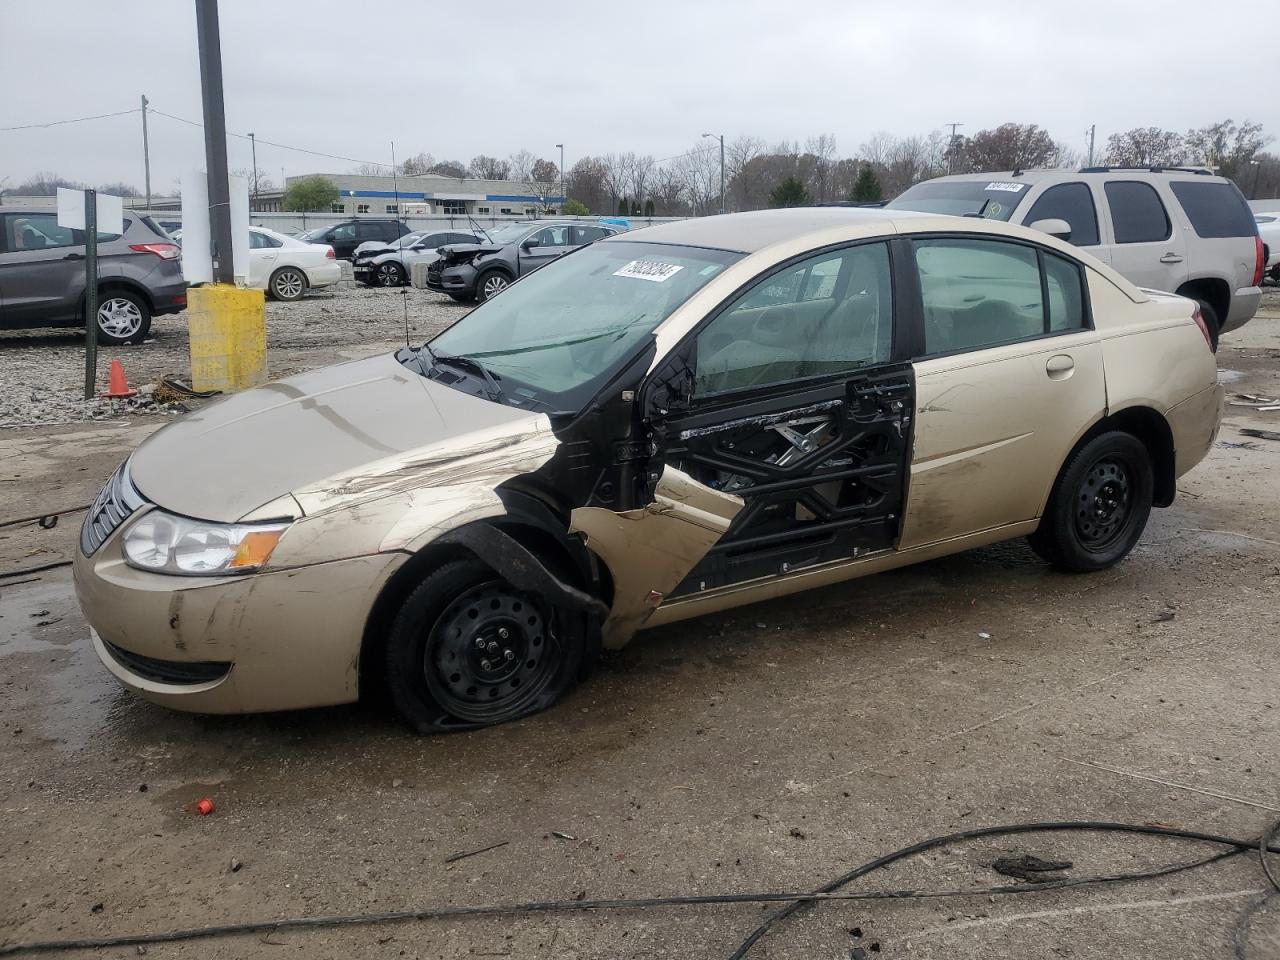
{"x": 553, "y": 337}
{"x": 509, "y": 233}
{"x": 312, "y": 234}
{"x": 991, "y": 199}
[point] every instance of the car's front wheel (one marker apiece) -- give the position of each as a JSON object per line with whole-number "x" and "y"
{"x": 390, "y": 274}
{"x": 288, "y": 283}
{"x": 123, "y": 317}
{"x": 490, "y": 284}
{"x": 1099, "y": 505}
{"x": 468, "y": 649}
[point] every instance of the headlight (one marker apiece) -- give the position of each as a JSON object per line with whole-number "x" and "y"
{"x": 164, "y": 543}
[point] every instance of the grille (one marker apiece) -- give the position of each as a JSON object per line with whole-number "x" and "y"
{"x": 168, "y": 671}
{"x": 118, "y": 499}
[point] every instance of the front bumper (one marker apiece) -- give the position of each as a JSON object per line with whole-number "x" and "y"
{"x": 277, "y": 640}
{"x": 459, "y": 278}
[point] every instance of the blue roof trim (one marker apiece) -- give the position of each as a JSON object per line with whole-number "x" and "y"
{"x": 520, "y": 198}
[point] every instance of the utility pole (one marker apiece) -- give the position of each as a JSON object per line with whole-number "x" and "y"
{"x": 215, "y": 140}
{"x": 1093, "y": 127}
{"x": 951, "y": 146}
{"x": 146, "y": 153}
{"x": 563, "y": 198}
{"x": 253, "y": 144}
{"x": 720, "y": 137}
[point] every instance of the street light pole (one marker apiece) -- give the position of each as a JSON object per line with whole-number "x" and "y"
{"x": 253, "y": 144}
{"x": 951, "y": 146}
{"x": 215, "y": 139}
{"x": 563, "y": 198}
{"x": 720, "y": 137}
{"x": 146, "y": 153}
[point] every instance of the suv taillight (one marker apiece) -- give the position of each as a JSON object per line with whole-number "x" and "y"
{"x": 1259, "y": 265}
{"x": 328, "y": 252}
{"x": 1204, "y": 327}
{"x": 165, "y": 251}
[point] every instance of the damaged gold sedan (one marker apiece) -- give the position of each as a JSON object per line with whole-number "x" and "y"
{"x": 665, "y": 423}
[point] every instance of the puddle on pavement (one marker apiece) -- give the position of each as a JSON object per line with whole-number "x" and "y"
{"x": 1229, "y": 376}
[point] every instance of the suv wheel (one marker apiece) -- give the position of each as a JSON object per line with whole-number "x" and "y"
{"x": 1099, "y": 505}
{"x": 288, "y": 283}
{"x": 390, "y": 274}
{"x": 468, "y": 649}
{"x": 490, "y": 284}
{"x": 123, "y": 317}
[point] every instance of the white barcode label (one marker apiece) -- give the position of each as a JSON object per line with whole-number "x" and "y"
{"x": 649, "y": 270}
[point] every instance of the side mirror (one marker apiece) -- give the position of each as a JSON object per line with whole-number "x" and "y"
{"x": 1054, "y": 227}
{"x": 528, "y": 245}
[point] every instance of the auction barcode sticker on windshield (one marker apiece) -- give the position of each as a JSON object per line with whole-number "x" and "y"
{"x": 649, "y": 270}
{"x": 1005, "y": 185}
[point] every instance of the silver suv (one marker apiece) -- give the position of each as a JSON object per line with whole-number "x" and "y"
{"x": 42, "y": 274}
{"x": 1180, "y": 230}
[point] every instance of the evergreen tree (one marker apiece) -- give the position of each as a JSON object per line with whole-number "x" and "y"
{"x": 624, "y": 208}
{"x": 866, "y": 189}
{"x": 648, "y": 208}
{"x": 789, "y": 193}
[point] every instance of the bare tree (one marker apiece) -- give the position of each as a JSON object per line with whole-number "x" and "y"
{"x": 449, "y": 168}
{"x": 639, "y": 171}
{"x": 667, "y": 191}
{"x": 586, "y": 183}
{"x": 822, "y": 149}
{"x": 1144, "y": 147}
{"x": 738, "y": 154}
{"x": 617, "y": 175}
{"x": 372, "y": 170}
{"x": 699, "y": 169}
{"x": 1226, "y": 146}
{"x": 489, "y": 168}
{"x": 416, "y": 165}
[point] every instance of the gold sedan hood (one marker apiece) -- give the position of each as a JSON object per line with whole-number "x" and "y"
{"x": 328, "y": 436}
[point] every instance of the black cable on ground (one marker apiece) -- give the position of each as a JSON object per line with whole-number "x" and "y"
{"x": 40, "y": 569}
{"x": 41, "y": 516}
{"x": 829, "y": 892}
{"x": 1240, "y": 935}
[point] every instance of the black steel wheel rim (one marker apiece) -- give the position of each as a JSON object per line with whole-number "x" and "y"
{"x": 1104, "y": 503}
{"x": 490, "y": 654}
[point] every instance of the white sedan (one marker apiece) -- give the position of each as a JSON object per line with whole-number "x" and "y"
{"x": 286, "y": 267}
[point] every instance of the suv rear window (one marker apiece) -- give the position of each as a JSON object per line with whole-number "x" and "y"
{"x": 1137, "y": 214}
{"x": 1215, "y": 209}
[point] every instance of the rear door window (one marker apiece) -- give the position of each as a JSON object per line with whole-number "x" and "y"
{"x": 583, "y": 235}
{"x": 1137, "y": 214}
{"x": 38, "y": 231}
{"x": 1215, "y": 209}
{"x": 1072, "y": 202}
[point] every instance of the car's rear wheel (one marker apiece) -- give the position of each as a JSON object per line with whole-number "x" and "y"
{"x": 468, "y": 649}
{"x": 1211, "y": 322}
{"x": 288, "y": 283}
{"x": 1099, "y": 505}
{"x": 490, "y": 284}
{"x": 390, "y": 274}
{"x": 123, "y": 317}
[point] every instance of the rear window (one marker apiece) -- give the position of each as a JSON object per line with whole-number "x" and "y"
{"x": 990, "y": 199}
{"x": 1215, "y": 209}
{"x": 153, "y": 226}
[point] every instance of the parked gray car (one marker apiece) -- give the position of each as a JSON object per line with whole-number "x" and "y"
{"x": 392, "y": 265}
{"x": 477, "y": 271}
{"x": 42, "y": 274}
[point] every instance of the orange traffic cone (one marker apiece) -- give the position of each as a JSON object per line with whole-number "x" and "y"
{"x": 117, "y": 385}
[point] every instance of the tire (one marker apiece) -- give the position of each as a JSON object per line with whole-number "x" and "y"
{"x": 288, "y": 284}
{"x": 461, "y": 297}
{"x": 1210, "y": 317}
{"x": 440, "y": 679}
{"x": 123, "y": 317}
{"x": 490, "y": 284}
{"x": 1099, "y": 505}
{"x": 389, "y": 274}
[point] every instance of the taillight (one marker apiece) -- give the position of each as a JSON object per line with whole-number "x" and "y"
{"x": 328, "y": 252}
{"x": 165, "y": 251}
{"x": 1260, "y": 264}
{"x": 1204, "y": 327}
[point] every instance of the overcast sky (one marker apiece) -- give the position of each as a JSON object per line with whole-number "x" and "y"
{"x": 458, "y": 79}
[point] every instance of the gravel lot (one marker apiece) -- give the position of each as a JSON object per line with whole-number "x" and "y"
{"x": 44, "y": 369}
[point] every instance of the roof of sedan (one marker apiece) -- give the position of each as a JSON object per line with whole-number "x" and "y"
{"x": 749, "y": 232}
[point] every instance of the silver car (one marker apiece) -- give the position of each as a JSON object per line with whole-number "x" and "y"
{"x": 391, "y": 265}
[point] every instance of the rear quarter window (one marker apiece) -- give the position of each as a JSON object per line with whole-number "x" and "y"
{"x": 1215, "y": 209}
{"x": 1137, "y": 213}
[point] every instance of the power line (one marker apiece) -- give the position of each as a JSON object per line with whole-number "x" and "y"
{"x": 58, "y": 123}
{"x": 282, "y": 146}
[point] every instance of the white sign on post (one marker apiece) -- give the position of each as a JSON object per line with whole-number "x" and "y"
{"x": 197, "y": 245}
{"x": 110, "y": 211}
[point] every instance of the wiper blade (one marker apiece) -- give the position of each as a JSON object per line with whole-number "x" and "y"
{"x": 475, "y": 366}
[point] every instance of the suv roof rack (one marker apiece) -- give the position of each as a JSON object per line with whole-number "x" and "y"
{"x": 1202, "y": 171}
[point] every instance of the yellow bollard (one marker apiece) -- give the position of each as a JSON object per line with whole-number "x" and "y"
{"x": 228, "y": 329}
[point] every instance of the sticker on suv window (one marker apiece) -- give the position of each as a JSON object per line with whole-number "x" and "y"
{"x": 649, "y": 270}
{"x": 1006, "y": 186}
